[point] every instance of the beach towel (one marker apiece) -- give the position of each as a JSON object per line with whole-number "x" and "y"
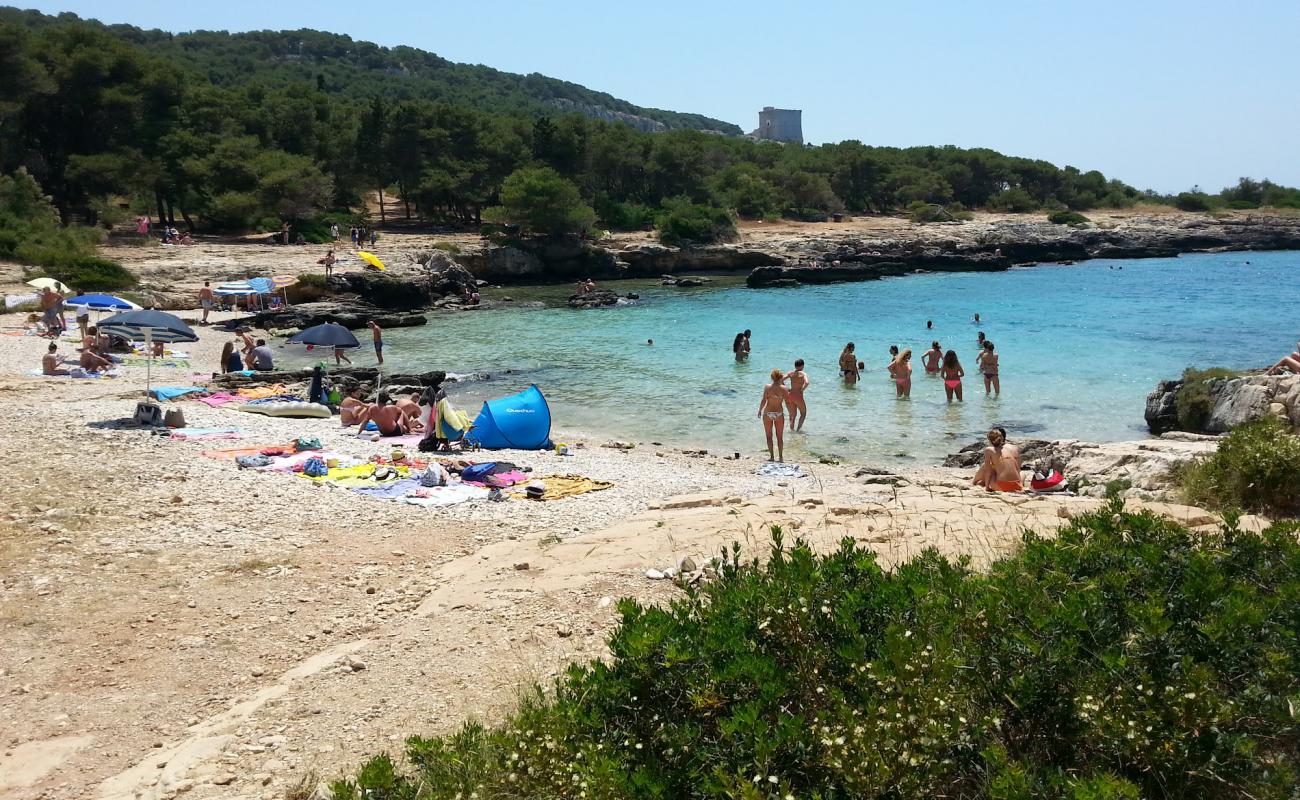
{"x": 560, "y": 486}
{"x": 773, "y": 469}
{"x": 231, "y": 453}
{"x": 141, "y": 361}
{"x": 203, "y": 434}
{"x": 260, "y": 392}
{"x": 221, "y": 398}
{"x": 389, "y": 490}
{"x": 352, "y": 476}
{"x": 173, "y": 392}
{"x": 438, "y": 496}
{"x": 77, "y": 372}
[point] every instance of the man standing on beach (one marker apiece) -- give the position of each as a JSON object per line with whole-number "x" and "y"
{"x": 378, "y": 334}
{"x": 205, "y": 300}
{"x": 52, "y": 306}
{"x": 334, "y": 231}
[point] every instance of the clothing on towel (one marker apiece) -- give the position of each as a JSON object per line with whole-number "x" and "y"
{"x": 773, "y": 469}
{"x": 436, "y": 496}
{"x": 221, "y": 398}
{"x": 202, "y": 434}
{"x": 389, "y": 490}
{"x": 293, "y": 461}
{"x": 352, "y": 477}
{"x": 173, "y": 392}
{"x": 560, "y": 486}
{"x": 231, "y": 453}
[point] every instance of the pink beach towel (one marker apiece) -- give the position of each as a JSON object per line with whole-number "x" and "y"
{"x": 215, "y": 400}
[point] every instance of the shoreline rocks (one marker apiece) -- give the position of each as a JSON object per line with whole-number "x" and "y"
{"x": 1231, "y": 402}
{"x": 350, "y": 314}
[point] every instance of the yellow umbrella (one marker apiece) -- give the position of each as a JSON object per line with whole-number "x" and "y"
{"x": 41, "y": 283}
{"x": 281, "y": 281}
{"x": 371, "y": 259}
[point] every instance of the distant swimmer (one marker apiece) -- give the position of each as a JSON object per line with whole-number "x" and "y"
{"x": 649, "y": 342}
{"x": 893, "y": 359}
{"x": 795, "y": 402}
{"x": 929, "y": 324}
{"x": 987, "y": 362}
{"x": 771, "y": 409}
{"x": 952, "y": 373}
{"x": 979, "y": 341}
{"x": 977, "y": 319}
{"x": 933, "y": 358}
{"x": 849, "y": 365}
{"x": 902, "y": 370}
{"x": 1000, "y": 471}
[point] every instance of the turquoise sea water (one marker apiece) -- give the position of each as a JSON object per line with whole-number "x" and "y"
{"x": 1080, "y": 345}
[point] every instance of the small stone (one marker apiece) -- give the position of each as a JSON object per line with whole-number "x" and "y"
{"x": 224, "y": 779}
{"x": 357, "y": 666}
{"x": 521, "y": 566}
{"x": 655, "y": 575}
{"x": 370, "y": 590}
{"x": 191, "y": 604}
{"x": 563, "y": 633}
{"x": 257, "y": 672}
{"x": 687, "y": 564}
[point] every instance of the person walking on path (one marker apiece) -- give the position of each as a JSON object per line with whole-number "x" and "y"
{"x": 205, "y": 300}
{"x": 378, "y": 334}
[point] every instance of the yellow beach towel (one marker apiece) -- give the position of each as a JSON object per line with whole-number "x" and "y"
{"x": 560, "y": 486}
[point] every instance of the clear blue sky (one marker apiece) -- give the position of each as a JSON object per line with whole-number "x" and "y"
{"x": 1160, "y": 93}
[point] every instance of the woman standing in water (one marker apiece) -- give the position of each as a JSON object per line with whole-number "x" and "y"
{"x": 932, "y": 358}
{"x": 796, "y": 404}
{"x": 740, "y": 346}
{"x": 902, "y": 370}
{"x": 771, "y": 409}
{"x": 893, "y": 359}
{"x": 988, "y": 364}
{"x": 849, "y": 365}
{"x": 952, "y": 374}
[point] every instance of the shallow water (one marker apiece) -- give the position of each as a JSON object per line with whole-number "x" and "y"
{"x": 1080, "y": 346}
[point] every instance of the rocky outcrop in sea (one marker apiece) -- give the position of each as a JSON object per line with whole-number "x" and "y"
{"x": 1225, "y": 404}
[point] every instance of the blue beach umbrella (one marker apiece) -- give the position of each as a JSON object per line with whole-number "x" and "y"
{"x": 100, "y": 302}
{"x": 329, "y": 334}
{"x": 151, "y": 326}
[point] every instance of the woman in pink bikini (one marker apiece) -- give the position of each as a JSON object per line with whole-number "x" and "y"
{"x": 902, "y": 370}
{"x": 952, "y": 374}
{"x": 771, "y": 409}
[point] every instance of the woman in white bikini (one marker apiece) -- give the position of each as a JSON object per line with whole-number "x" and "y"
{"x": 771, "y": 409}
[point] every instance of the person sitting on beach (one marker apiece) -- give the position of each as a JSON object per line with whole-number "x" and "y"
{"x": 390, "y": 419}
{"x": 50, "y": 362}
{"x": 229, "y": 359}
{"x": 93, "y": 341}
{"x": 1291, "y": 363}
{"x": 952, "y": 373}
{"x": 771, "y": 409}
{"x": 1000, "y": 471}
{"x": 796, "y": 404}
{"x": 902, "y": 372}
{"x": 94, "y": 362}
{"x": 410, "y": 406}
{"x": 848, "y": 365}
{"x": 987, "y": 362}
{"x": 245, "y": 340}
{"x": 352, "y": 406}
{"x": 260, "y": 357}
{"x": 159, "y": 349}
{"x": 933, "y": 358}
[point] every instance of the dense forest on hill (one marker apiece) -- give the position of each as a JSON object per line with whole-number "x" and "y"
{"x": 242, "y": 131}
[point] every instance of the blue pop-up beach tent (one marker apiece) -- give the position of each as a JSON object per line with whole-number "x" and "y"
{"x": 519, "y": 422}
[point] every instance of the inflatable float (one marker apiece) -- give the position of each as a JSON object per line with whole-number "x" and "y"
{"x": 285, "y": 408}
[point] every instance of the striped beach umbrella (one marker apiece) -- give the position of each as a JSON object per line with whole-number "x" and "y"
{"x": 150, "y": 326}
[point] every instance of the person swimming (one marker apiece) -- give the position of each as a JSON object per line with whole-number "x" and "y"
{"x": 849, "y": 366}
{"x": 796, "y": 404}
{"x": 929, "y": 324}
{"x": 987, "y": 362}
{"x": 902, "y": 369}
{"x": 952, "y": 373}
{"x": 771, "y": 409}
{"x": 976, "y": 321}
{"x": 979, "y": 341}
{"x": 1000, "y": 470}
{"x": 932, "y": 359}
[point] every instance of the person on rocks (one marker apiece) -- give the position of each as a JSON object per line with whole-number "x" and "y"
{"x": 1288, "y": 363}
{"x": 797, "y": 406}
{"x": 205, "y": 300}
{"x": 849, "y": 369}
{"x": 1000, "y": 471}
{"x": 51, "y": 363}
{"x": 987, "y": 363}
{"x": 390, "y": 419}
{"x": 771, "y": 409}
{"x": 932, "y": 359}
{"x": 377, "y": 333}
{"x": 260, "y": 358}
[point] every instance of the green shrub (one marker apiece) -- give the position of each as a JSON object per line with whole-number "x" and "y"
{"x": 92, "y": 274}
{"x": 1256, "y": 468}
{"x": 624, "y": 216}
{"x": 922, "y": 212}
{"x": 1192, "y": 201}
{"x": 1240, "y": 205}
{"x": 1127, "y": 657}
{"x": 1016, "y": 200}
{"x": 446, "y": 247}
{"x": 541, "y": 201}
{"x": 1195, "y": 397}
{"x": 685, "y": 223}
{"x": 1067, "y": 218}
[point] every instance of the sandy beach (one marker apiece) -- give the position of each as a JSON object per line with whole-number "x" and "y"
{"x": 178, "y": 625}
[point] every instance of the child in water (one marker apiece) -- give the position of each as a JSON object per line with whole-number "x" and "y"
{"x": 902, "y": 371}
{"x": 952, "y": 374}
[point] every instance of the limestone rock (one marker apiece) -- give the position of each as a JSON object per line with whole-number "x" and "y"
{"x": 1238, "y": 402}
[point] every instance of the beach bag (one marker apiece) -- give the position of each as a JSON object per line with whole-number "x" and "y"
{"x": 306, "y": 443}
{"x": 477, "y": 473}
{"x": 252, "y": 461}
{"x": 433, "y": 477}
{"x": 315, "y": 468}
{"x": 1053, "y": 481}
{"x": 174, "y": 418}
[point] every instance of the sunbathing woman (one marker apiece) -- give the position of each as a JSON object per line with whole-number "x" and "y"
{"x": 902, "y": 371}
{"x": 952, "y": 373}
{"x": 1291, "y": 362}
{"x": 849, "y": 365}
{"x": 771, "y": 409}
{"x": 987, "y": 362}
{"x": 1000, "y": 471}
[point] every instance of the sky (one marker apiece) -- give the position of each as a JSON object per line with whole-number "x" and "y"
{"x": 1161, "y": 94}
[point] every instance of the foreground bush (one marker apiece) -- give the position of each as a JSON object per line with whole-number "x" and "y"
{"x": 1256, "y": 468}
{"x": 1127, "y": 658}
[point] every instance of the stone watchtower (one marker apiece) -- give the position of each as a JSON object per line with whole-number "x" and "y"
{"x": 780, "y": 125}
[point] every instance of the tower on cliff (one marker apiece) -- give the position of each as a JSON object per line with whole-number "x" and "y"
{"x": 780, "y": 125}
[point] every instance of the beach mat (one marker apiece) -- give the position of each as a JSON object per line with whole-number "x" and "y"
{"x": 231, "y": 453}
{"x": 559, "y": 487}
{"x": 141, "y": 361}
